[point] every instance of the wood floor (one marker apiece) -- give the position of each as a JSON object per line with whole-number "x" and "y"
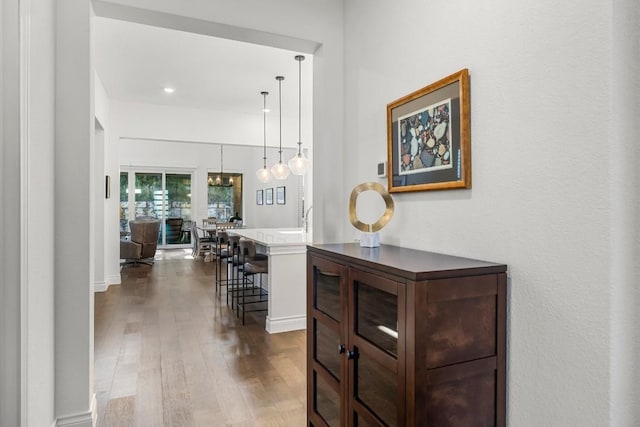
{"x": 169, "y": 352}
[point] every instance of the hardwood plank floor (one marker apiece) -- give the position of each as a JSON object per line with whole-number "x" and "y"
{"x": 169, "y": 352}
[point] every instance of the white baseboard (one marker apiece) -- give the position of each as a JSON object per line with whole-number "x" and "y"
{"x": 100, "y": 286}
{"x": 113, "y": 279}
{"x": 94, "y": 410}
{"x": 85, "y": 419}
{"x": 286, "y": 324}
{"x": 109, "y": 280}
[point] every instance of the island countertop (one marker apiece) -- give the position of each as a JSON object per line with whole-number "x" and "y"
{"x": 271, "y": 237}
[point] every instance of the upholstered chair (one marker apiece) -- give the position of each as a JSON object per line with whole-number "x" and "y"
{"x": 142, "y": 243}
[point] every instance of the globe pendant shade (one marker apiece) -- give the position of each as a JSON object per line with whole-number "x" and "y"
{"x": 280, "y": 171}
{"x": 299, "y": 164}
{"x": 264, "y": 175}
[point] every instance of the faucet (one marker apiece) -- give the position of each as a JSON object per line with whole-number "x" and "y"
{"x": 305, "y": 219}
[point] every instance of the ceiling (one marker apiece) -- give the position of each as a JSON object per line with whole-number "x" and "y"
{"x": 136, "y": 61}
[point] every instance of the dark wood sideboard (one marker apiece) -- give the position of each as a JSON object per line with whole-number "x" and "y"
{"x": 401, "y": 337}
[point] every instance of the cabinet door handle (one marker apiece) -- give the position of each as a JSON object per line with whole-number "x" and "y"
{"x": 341, "y": 348}
{"x": 352, "y": 354}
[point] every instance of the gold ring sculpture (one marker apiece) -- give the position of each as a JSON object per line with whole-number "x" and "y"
{"x": 383, "y": 220}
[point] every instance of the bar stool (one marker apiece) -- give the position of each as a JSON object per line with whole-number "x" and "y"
{"x": 252, "y": 293}
{"x": 222, "y": 253}
{"x": 233, "y": 267}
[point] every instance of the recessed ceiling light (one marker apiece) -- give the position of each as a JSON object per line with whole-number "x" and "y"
{"x": 266, "y": 110}
{"x": 169, "y": 89}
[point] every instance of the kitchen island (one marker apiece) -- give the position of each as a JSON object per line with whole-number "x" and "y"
{"x": 286, "y": 284}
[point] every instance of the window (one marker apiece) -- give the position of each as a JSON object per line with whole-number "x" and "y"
{"x": 224, "y": 198}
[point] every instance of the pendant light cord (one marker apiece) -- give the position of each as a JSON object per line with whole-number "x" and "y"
{"x": 299, "y": 104}
{"x": 300, "y": 58}
{"x": 280, "y": 79}
{"x": 264, "y": 128}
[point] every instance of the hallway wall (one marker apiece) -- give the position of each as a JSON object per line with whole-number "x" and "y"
{"x": 542, "y": 144}
{"x": 27, "y": 96}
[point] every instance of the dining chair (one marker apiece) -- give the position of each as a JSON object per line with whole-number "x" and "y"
{"x": 201, "y": 245}
{"x": 173, "y": 230}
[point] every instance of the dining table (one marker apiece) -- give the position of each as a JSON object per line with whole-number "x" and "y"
{"x": 213, "y": 228}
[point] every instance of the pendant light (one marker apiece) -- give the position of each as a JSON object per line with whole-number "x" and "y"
{"x": 219, "y": 182}
{"x": 264, "y": 174}
{"x": 299, "y": 163}
{"x": 280, "y": 171}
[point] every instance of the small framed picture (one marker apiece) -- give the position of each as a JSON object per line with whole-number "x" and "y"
{"x": 281, "y": 195}
{"x": 259, "y": 197}
{"x": 107, "y": 187}
{"x": 268, "y": 196}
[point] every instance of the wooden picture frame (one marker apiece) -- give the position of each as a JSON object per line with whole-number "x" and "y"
{"x": 281, "y": 195}
{"x": 259, "y": 197}
{"x": 268, "y": 196}
{"x": 428, "y": 137}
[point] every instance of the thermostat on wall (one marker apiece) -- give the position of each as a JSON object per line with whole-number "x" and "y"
{"x": 382, "y": 170}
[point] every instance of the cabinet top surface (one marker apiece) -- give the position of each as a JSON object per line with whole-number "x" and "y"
{"x": 409, "y": 263}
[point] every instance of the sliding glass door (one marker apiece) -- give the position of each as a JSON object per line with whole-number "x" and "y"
{"x": 165, "y": 196}
{"x": 178, "y": 214}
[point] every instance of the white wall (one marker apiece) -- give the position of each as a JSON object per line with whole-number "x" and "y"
{"x": 161, "y": 122}
{"x": 625, "y": 221}
{"x": 286, "y": 24}
{"x": 109, "y": 236}
{"x": 73, "y": 212}
{"x": 201, "y": 158}
{"x": 26, "y": 291}
{"x": 10, "y": 363}
{"x": 151, "y": 135}
{"x": 38, "y": 315}
{"x": 541, "y": 138}
{"x": 99, "y": 189}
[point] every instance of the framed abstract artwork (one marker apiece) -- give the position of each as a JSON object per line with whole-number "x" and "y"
{"x": 428, "y": 137}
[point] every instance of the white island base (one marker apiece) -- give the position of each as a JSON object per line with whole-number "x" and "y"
{"x": 287, "y": 278}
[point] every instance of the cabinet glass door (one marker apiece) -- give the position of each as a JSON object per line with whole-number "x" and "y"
{"x": 376, "y": 341}
{"x": 327, "y": 293}
{"x": 326, "y": 401}
{"x": 326, "y": 347}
